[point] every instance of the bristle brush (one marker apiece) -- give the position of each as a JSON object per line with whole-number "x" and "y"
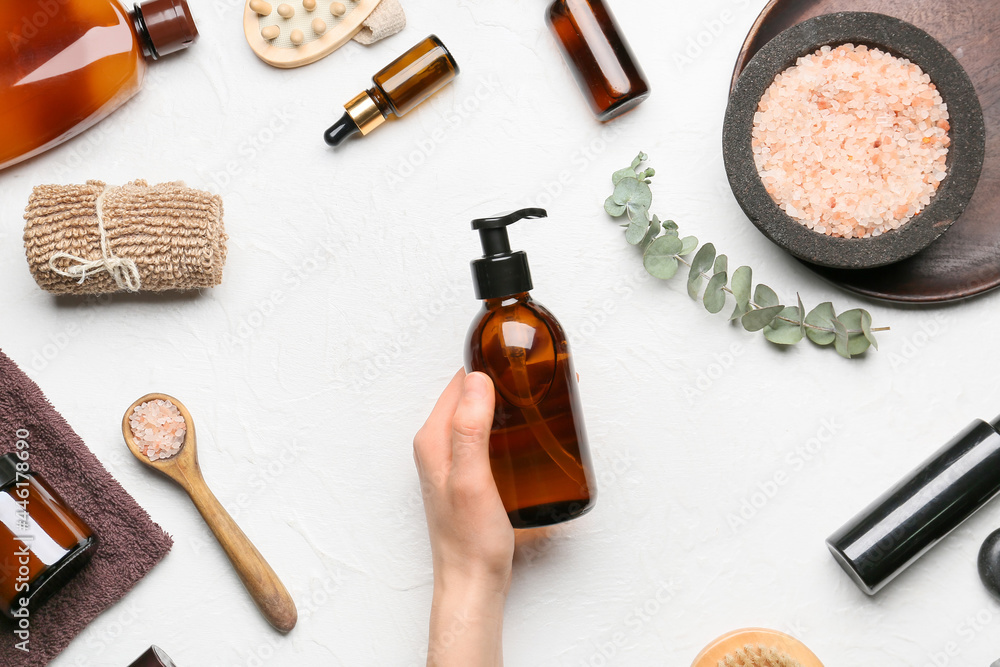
{"x": 756, "y": 647}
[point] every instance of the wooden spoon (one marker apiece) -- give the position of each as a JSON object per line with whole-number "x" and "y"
{"x": 730, "y": 643}
{"x": 267, "y": 591}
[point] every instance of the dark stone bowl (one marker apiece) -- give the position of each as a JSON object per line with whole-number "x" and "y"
{"x": 901, "y": 39}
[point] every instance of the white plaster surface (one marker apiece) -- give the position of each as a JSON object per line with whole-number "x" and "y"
{"x": 342, "y": 315}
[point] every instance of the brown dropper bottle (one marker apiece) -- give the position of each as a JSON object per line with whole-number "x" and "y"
{"x": 538, "y": 445}
{"x": 602, "y": 61}
{"x": 398, "y": 88}
{"x": 64, "y": 70}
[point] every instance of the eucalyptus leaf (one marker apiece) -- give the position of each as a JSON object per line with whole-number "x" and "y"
{"x": 623, "y": 173}
{"x": 670, "y": 224}
{"x": 660, "y": 257}
{"x": 802, "y": 315}
{"x": 841, "y": 339}
{"x": 689, "y": 243}
{"x": 759, "y": 318}
{"x": 614, "y": 209}
{"x": 853, "y": 323}
{"x": 740, "y": 310}
{"x": 654, "y": 229}
{"x": 721, "y": 264}
{"x": 821, "y": 316}
{"x": 866, "y": 328}
{"x": 702, "y": 261}
{"x": 741, "y": 284}
{"x": 764, "y": 296}
{"x": 782, "y": 332}
{"x": 639, "y": 159}
{"x": 637, "y": 229}
{"x": 715, "y": 298}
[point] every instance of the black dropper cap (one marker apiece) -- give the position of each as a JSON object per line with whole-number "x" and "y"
{"x": 501, "y": 272}
{"x": 340, "y": 130}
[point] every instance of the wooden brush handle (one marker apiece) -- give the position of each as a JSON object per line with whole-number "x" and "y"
{"x": 267, "y": 591}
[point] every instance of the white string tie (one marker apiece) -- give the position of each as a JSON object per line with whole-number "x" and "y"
{"x": 123, "y": 271}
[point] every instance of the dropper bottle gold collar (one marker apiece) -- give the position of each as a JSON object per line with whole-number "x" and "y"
{"x": 398, "y": 88}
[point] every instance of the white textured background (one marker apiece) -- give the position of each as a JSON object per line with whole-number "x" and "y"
{"x": 343, "y": 313}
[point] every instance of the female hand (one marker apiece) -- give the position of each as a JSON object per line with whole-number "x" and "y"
{"x": 472, "y": 541}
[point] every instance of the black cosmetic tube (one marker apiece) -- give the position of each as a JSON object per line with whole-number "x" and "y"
{"x": 913, "y": 516}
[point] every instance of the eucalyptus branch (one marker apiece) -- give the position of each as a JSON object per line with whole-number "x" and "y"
{"x": 757, "y": 309}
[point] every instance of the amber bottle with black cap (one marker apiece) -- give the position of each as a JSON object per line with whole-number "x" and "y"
{"x": 538, "y": 444}
{"x": 67, "y": 64}
{"x": 398, "y": 88}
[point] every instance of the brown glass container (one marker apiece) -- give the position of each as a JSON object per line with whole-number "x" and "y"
{"x": 66, "y": 65}
{"x": 153, "y": 657}
{"x": 43, "y": 542}
{"x": 601, "y": 59}
{"x": 538, "y": 445}
{"x": 398, "y": 88}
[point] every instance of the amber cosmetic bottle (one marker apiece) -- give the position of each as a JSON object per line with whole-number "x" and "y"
{"x": 596, "y": 50}
{"x": 43, "y": 542}
{"x": 538, "y": 445}
{"x": 402, "y": 85}
{"x": 68, "y": 64}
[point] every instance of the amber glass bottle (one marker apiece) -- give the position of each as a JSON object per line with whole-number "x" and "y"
{"x": 601, "y": 59}
{"x": 538, "y": 444}
{"x": 399, "y": 87}
{"x": 67, "y": 64}
{"x": 42, "y": 540}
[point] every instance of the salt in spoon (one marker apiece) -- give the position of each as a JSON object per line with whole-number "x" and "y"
{"x": 267, "y": 591}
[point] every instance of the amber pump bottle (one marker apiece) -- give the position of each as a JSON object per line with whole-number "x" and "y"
{"x": 601, "y": 59}
{"x": 67, "y": 64}
{"x": 398, "y": 88}
{"x": 538, "y": 445}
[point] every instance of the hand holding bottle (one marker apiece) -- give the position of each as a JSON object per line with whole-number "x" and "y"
{"x": 471, "y": 537}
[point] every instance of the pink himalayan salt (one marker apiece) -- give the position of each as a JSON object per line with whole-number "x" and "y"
{"x": 159, "y": 429}
{"x": 851, "y": 142}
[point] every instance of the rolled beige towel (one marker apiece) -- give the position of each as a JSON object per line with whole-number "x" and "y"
{"x": 98, "y": 239}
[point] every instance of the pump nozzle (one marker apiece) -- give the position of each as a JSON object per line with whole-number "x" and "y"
{"x": 500, "y": 272}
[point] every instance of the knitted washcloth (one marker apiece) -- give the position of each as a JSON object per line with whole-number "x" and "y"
{"x": 96, "y": 239}
{"x": 758, "y": 656}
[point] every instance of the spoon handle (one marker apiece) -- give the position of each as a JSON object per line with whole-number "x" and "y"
{"x": 264, "y": 586}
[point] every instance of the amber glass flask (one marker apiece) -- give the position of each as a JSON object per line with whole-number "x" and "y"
{"x": 601, "y": 59}
{"x": 66, "y": 64}
{"x": 398, "y": 88}
{"x": 538, "y": 444}
{"x": 43, "y": 542}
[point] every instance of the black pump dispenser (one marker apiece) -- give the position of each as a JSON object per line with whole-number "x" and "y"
{"x": 501, "y": 272}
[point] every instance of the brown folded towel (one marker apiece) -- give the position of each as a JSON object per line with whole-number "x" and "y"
{"x": 130, "y": 544}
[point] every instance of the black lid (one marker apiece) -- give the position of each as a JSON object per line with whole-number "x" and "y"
{"x": 8, "y": 469}
{"x": 501, "y": 272}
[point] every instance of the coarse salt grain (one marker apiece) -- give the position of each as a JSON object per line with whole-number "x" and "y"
{"x": 851, "y": 141}
{"x": 159, "y": 429}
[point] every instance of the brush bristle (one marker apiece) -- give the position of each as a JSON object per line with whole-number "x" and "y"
{"x": 759, "y": 656}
